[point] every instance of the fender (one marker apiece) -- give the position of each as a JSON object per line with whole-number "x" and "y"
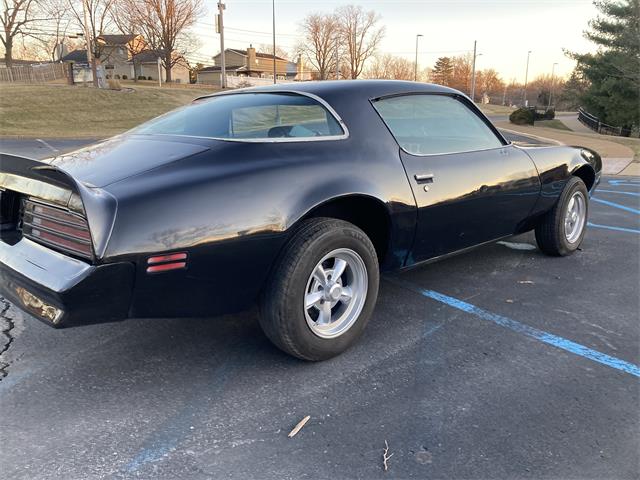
{"x": 556, "y": 165}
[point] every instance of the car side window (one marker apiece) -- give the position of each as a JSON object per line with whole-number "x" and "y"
{"x": 249, "y": 116}
{"x": 428, "y": 124}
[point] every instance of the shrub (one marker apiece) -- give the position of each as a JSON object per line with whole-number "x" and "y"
{"x": 522, "y": 116}
{"x": 113, "y": 84}
{"x": 550, "y": 114}
{"x": 124, "y": 77}
{"x": 141, "y": 77}
{"x": 149, "y": 78}
{"x": 116, "y": 76}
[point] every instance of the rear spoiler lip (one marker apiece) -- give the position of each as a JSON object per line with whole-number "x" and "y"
{"x": 51, "y": 183}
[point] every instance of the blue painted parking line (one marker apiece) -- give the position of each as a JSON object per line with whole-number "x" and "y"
{"x": 616, "y": 205}
{"x": 625, "y": 181}
{"x": 635, "y": 194}
{"x": 540, "y": 335}
{"x": 610, "y": 227}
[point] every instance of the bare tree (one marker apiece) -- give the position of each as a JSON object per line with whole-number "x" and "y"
{"x": 391, "y": 67}
{"x": 94, "y": 17}
{"x": 50, "y": 31}
{"x": 129, "y": 24}
{"x": 361, "y": 34}
{"x": 321, "y": 32}
{"x": 164, "y": 25}
{"x": 15, "y": 17}
{"x": 268, "y": 48}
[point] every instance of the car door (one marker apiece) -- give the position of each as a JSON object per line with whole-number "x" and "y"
{"x": 470, "y": 186}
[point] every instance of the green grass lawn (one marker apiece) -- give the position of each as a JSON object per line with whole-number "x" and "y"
{"x": 66, "y": 111}
{"x": 489, "y": 109}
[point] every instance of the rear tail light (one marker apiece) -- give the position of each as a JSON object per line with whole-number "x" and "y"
{"x": 56, "y": 227}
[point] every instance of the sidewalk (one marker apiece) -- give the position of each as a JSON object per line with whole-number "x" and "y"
{"x": 617, "y": 159}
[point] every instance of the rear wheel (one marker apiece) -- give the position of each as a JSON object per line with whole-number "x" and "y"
{"x": 323, "y": 290}
{"x": 561, "y": 230}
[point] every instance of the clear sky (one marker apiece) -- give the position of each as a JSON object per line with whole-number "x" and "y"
{"x": 505, "y": 29}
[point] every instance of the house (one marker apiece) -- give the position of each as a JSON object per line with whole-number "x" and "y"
{"x": 125, "y": 57}
{"x": 146, "y": 65}
{"x": 116, "y": 52}
{"x": 247, "y": 63}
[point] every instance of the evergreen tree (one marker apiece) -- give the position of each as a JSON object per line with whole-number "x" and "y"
{"x": 613, "y": 73}
{"x": 442, "y": 72}
{"x": 572, "y": 92}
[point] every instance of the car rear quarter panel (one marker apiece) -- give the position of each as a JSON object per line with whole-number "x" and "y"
{"x": 232, "y": 209}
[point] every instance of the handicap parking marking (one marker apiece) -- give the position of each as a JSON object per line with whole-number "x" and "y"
{"x": 616, "y": 205}
{"x": 611, "y": 227}
{"x": 531, "y": 332}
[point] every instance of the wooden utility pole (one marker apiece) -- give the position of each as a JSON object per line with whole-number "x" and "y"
{"x": 223, "y": 71}
{"x": 274, "y": 39}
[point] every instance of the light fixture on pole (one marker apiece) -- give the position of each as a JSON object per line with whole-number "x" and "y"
{"x": 553, "y": 70}
{"x": 526, "y": 77}
{"x": 415, "y": 66}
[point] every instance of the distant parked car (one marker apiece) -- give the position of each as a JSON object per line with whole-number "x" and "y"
{"x": 291, "y": 196}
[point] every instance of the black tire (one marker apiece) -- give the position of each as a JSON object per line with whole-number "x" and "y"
{"x": 282, "y": 310}
{"x": 550, "y": 232}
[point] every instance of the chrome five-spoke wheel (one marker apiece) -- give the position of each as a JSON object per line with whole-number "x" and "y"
{"x": 335, "y": 293}
{"x": 575, "y": 217}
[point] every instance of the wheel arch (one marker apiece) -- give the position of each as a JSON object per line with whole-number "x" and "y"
{"x": 587, "y": 174}
{"x": 368, "y": 213}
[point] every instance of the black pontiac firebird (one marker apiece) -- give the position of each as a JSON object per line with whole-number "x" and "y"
{"x": 294, "y": 196}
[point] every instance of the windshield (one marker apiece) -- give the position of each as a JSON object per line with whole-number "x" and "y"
{"x": 248, "y": 116}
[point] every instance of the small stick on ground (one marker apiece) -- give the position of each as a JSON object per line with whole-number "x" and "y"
{"x": 299, "y": 426}
{"x": 385, "y": 456}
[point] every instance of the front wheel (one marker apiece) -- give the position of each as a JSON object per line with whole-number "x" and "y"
{"x": 561, "y": 230}
{"x": 322, "y": 291}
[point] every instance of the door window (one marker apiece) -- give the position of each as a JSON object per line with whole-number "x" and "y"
{"x": 435, "y": 124}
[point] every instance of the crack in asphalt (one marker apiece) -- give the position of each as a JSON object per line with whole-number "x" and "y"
{"x": 6, "y": 331}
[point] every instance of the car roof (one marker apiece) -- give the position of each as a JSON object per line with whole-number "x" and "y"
{"x": 365, "y": 89}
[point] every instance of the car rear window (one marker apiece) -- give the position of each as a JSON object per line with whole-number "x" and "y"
{"x": 427, "y": 124}
{"x": 249, "y": 116}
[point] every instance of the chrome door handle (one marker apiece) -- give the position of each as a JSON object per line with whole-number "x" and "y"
{"x": 425, "y": 178}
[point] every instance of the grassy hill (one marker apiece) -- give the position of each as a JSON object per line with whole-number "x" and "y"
{"x": 66, "y": 111}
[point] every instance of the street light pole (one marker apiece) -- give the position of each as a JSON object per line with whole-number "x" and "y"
{"x": 526, "y": 77}
{"x": 415, "y": 73}
{"x": 553, "y": 69}
{"x": 273, "y": 9}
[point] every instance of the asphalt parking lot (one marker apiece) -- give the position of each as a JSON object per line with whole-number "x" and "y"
{"x": 499, "y": 363}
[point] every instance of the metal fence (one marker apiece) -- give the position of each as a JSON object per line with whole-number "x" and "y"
{"x": 38, "y": 73}
{"x": 596, "y": 125}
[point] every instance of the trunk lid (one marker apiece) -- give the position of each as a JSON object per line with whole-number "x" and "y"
{"x": 123, "y": 156}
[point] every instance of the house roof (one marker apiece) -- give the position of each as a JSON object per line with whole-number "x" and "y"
{"x": 217, "y": 68}
{"x": 146, "y": 56}
{"x": 78, "y": 56}
{"x": 151, "y": 56}
{"x": 117, "y": 39}
{"x": 258, "y": 54}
